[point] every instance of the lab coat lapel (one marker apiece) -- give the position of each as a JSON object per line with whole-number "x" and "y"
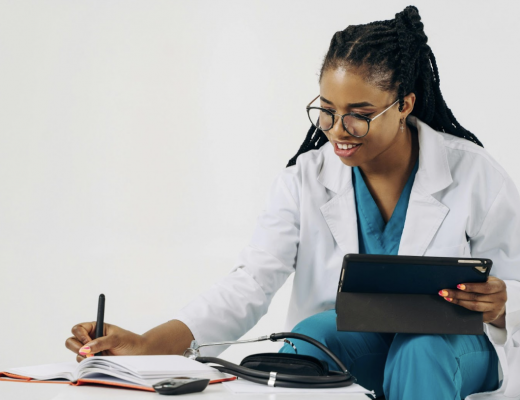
{"x": 340, "y": 214}
{"x": 340, "y": 211}
{"x": 424, "y": 216}
{"x": 425, "y": 213}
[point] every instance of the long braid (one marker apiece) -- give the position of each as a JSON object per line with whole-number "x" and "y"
{"x": 397, "y": 47}
{"x": 314, "y": 140}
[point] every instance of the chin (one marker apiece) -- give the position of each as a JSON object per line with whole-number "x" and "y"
{"x": 349, "y": 162}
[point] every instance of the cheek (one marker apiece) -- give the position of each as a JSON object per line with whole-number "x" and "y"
{"x": 380, "y": 139}
{"x": 376, "y": 144}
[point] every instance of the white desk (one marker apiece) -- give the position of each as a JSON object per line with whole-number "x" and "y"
{"x": 50, "y": 391}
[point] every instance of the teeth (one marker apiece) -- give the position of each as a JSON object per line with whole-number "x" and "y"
{"x": 346, "y": 146}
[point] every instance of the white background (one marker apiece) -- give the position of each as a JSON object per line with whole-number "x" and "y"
{"x": 138, "y": 141}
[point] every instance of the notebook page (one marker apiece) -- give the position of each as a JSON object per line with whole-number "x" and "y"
{"x": 153, "y": 366}
{"x": 47, "y": 371}
{"x": 105, "y": 364}
{"x": 89, "y": 373}
{"x": 101, "y": 374}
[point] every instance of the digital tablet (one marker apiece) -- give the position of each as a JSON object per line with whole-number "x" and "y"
{"x": 380, "y": 293}
{"x": 374, "y": 273}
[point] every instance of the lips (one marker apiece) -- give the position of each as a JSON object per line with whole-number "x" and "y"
{"x": 346, "y": 152}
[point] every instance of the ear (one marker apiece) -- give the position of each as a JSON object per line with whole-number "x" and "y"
{"x": 409, "y": 102}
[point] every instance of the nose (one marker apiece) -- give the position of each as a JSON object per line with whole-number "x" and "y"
{"x": 338, "y": 130}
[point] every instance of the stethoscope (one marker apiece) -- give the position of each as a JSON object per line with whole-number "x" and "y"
{"x": 335, "y": 379}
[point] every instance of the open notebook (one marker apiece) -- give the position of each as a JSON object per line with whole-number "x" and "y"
{"x": 136, "y": 372}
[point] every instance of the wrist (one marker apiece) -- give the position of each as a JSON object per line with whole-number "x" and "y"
{"x": 143, "y": 345}
{"x": 500, "y": 322}
{"x": 172, "y": 337}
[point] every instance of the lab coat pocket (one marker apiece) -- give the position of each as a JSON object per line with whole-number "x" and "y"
{"x": 461, "y": 250}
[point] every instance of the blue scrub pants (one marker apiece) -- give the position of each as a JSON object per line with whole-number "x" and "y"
{"x": 405, "y": 366}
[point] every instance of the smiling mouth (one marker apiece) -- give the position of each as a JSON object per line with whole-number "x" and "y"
{"x": 345, "y": 146}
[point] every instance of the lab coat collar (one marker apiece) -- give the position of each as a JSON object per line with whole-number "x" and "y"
{"x": 424, "y": 214}
{"x": 433, "y": 173}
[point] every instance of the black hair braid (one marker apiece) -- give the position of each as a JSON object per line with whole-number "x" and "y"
{"x": 410, "y": 40}
{"x": 314, "y": 140}
{"x": 399, "y": 48}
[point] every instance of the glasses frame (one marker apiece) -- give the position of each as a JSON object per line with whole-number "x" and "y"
{"x": 355, "y": 115}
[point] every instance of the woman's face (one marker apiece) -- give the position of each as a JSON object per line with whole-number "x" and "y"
{"x": 342, "y": 91}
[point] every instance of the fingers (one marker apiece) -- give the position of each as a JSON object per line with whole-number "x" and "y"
{"x": 475, "y": 305}
{"x": 466, "y": 295}
{"x": 83, "y": 334}
{"x": 487, "y": 297}
{"x": 84, "y": 331}
{"x": 115, "y": 341}
{"x": 104, "y": 343}
{"x": 492, "y": 285}
{"x": 491, "y": 311}
{"x": 460, "y": 295}
{"x": 73, "y": 344}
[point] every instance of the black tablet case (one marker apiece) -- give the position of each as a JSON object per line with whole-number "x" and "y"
{"x": 379, "y": 293}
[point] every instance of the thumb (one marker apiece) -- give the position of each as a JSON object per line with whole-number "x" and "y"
{"x": 97, "y": 346}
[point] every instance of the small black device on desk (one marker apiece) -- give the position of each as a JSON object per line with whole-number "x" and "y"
{"x": 182, "y": 385}
{"x": 383, "y": 293}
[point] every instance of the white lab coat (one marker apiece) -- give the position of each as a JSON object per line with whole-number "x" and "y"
{"x": 309, "y": 224}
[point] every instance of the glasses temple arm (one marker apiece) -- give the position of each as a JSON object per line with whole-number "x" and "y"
{"x": 308, "y": 105}
{"x": 386, "y": 109}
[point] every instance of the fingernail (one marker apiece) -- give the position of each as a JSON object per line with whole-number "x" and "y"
{"x": 443, "y": 293}
{"x": 89, "y": 355}
{"x": 461, "y": 286}
{"x": 446, "y": 298}
{"x": 84, "y": 350}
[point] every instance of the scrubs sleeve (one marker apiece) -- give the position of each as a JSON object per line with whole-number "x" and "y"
{"x": 499, "y": 239}
{"x": 235, "y": 303}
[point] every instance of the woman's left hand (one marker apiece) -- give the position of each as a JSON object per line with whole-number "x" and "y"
{"x": 488, "y": 297}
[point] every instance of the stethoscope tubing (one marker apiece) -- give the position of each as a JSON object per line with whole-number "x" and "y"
{"x": 308, "y": 339}
{"x": 336, "y": 379}
{"x": 293, "y": 385}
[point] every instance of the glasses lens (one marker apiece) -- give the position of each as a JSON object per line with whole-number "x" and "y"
{"x": 320, "y": 119}
{"x": 355, "y": 126}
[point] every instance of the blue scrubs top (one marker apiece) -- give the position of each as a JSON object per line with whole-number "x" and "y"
{"x": 376, "y": 236}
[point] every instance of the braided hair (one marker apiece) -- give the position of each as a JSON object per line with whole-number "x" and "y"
{"x": 392, "y": 55}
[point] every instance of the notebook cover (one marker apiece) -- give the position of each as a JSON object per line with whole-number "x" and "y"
{"x": 405, "y": 313}
{"x": 86, "y": 381}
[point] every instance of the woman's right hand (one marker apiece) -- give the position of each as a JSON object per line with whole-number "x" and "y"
{"x": 114, "y": 342}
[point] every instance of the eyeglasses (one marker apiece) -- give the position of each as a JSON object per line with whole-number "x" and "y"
{"x": 355, "y": 124}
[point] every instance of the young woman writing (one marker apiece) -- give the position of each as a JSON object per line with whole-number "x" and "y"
{"x": 385, "y": 169}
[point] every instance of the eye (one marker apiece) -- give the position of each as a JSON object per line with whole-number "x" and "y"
{"x": 365, "y": 115}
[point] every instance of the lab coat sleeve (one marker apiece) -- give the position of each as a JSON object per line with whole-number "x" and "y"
{"x": 235, "y": 303}
{"x": 499, "y": 239}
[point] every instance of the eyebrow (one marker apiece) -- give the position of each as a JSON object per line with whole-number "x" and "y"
{"x": 353, "y": 105}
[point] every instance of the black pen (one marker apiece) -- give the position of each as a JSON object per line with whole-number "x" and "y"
{"x": 100, "y": 317}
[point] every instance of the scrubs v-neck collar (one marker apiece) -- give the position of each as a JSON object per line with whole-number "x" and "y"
{"x": 376, "y": 237}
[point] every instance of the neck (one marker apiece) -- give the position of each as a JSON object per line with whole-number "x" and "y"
{"x": 397, "y": 162}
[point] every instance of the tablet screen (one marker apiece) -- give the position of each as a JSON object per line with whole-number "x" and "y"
{"x": 411, "y": 275}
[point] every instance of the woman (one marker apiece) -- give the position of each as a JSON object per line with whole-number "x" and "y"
{"x": 388, "y": 171}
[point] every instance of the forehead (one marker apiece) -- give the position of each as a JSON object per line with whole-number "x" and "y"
{"x": 342, "y": 87}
